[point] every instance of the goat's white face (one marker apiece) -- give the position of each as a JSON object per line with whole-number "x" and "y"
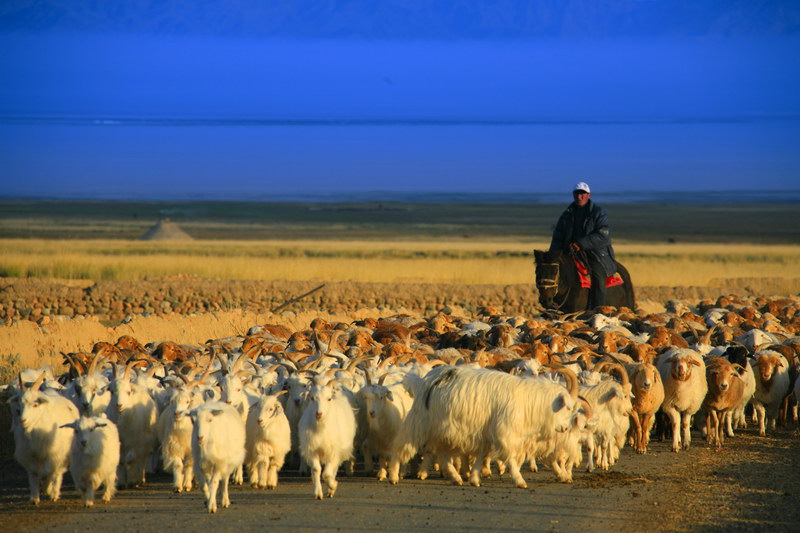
{"x": 91, "y": 389}
{"x": 185, "y": 399}
{"x": 232, "y": 390}
{"x": 84, "y": 428}
{"x": 319, "y": 399}
{"x": 32, "y": 405}
{"x": 123, "y": 393}
{"x": 268, "y": 408}
{"x": 268, "y": 383}
{"x": 297, "y": 391}
{"x": 203, "y": 421}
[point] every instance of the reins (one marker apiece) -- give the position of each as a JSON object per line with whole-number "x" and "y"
{"x": 552, "y": 283}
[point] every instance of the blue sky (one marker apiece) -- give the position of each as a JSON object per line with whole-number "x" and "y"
{"x": 505, "y": 96}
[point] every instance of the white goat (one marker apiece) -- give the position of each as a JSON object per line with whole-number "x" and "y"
{"x": 94, "y": 457}
{"x": 326, "y": 430}
{"x": 218, "y": 441}
{"x": 90, "y": 390}
{"x": 386, "y": 407}
{"x": 480, "y": 413}
{"x": 267, "y": 442}
{"x": 136, "y": 416}
{"x": 611, "y": 403}
{"x": 174, "y": 428}
{"x": 41, "y": 443}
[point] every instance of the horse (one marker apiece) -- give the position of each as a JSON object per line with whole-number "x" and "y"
{"x": 560, "y": 288}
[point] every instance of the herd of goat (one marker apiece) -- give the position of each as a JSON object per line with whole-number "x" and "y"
{"x": 462, "y": 395}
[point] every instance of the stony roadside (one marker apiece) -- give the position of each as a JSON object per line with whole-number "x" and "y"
{"x": 113, "y": 301}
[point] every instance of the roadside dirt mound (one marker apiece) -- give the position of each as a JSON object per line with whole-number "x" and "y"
{"x": 165, "y": 230}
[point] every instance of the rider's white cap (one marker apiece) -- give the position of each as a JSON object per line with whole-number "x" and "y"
{"x": 582, "y": 186}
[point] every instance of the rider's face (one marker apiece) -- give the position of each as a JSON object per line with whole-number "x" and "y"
{"x": 581, "y": 197}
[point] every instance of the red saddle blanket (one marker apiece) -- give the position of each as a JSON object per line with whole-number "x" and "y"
{"x": 583, "y": 274}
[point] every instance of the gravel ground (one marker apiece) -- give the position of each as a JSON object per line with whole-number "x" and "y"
{"x": 750, "y": 485}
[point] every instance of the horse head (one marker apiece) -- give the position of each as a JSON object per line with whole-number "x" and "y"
{"x": 548, "y": 274}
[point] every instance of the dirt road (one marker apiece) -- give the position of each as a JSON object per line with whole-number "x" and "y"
{"x": 751, "y": 485}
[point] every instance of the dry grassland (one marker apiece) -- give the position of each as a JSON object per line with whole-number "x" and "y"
{"x": 441, "y": 261}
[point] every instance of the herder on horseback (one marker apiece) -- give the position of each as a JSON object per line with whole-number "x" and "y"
{"x": 583, "y": 229}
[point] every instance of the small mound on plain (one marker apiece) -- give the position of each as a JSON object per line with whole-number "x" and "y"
{"x": 165, "y": 230}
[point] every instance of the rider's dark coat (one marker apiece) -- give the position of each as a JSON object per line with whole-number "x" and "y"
{"x": 595, "y": 236}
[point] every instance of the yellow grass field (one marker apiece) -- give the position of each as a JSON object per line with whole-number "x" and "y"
{"x": 495, "y": 262}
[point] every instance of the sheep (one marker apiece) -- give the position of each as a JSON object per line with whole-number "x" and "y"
{"x": 136, "y": 417}
{"x": 41, "y": 444}
{"x": 772, "y": 385}
{"x": 94, "y": 457}
{"x": 648, "y": 395}
{"x": 735, "y": 418}
{"x": 725, "y": 392}
{"x": 268, "y": 440}
{"x": 327, "y": 429}
{"x": 482, "y": 413}
{"x": 386, "y": 407}
{"x": 218, "y": 440}
{"x": 684, "y": 391}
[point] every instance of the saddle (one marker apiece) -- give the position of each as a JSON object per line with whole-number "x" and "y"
{"x": 583, "y": 275}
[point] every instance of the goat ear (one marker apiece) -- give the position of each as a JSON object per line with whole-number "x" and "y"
{"x": 389, "y": 396}
{"x": 71, "y": 425}
{"x": 210, "y": 394}
{"x": 607, "y": 397}
{"x": 559, "y": 403}
{"x": 217, "y": 412}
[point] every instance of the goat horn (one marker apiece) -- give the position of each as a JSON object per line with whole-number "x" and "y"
{"x": 571, "y": 378}
{"x": 72, "y": 363}
{"x": 587, "y": 407}
{"x": 761, "y": 347}
{"x": 127, "y": 375}
{"x": 623, "y": 374}
{"x": 38, "y": 382}
{"x": 366, "y": 373}
{"x": 152, "y": 370}
{"x": 92, "y": 365}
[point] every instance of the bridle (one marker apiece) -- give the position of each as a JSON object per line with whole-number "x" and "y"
{"x": 552, "y": 283}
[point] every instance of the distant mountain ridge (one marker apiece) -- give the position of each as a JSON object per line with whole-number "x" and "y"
{"x": 408, "y": 19}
